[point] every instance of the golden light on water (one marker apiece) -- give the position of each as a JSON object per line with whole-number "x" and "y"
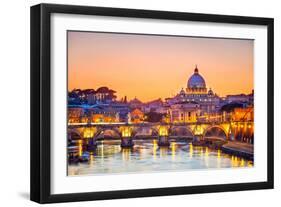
{"x": 190, "y": 150}
{"x": 206, "y": 152}
{"x": 249, "y": 164}
{"x": 117, "y": 149}
{"x": 201, "y": 152}
{"x": 173, "y": 147}
{"x": 163, "y": 151}
{"x": 219, "y": 158}
{"x": 92, "y": 158}
{"x": 219, "y": 153}
{"x": 126, "y": 159}
{"x": 142, "y": 152}
{"x": 155, "y": 146}
{"x": 206, "y": 157}
{"x": 80, "y": 150}
{"x": 242, "y": 162}
{"x": 126, "y": 154}
{"x": 234, "y": 161}
{"x": 102, "y": 149}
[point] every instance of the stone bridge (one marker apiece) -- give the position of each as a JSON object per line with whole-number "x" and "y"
{"x": 242, "y": 131}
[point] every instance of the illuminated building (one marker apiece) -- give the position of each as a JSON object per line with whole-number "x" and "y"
{"x": 96, "y": 114}
{"x": 104, "y": 117}
{"x": 155, "y": 106}
{"x": 135, "y": 103}
{"x": 137, "y": 116}
{"x": 206, "y": 101}
{"x": 184, "y": 112}
{"x": 243, "y": 114}
{"x": 75, "y": 114}
{"x": 240, "y": 98}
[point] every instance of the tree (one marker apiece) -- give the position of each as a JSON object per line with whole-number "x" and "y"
{"x": 230, "y": 107}
{"x": 153, "y": 117}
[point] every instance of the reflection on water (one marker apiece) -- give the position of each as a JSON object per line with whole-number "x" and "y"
{"x": 146, "y": 156}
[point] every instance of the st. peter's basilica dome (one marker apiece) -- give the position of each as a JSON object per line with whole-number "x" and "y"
{"x": 196, "y": 81}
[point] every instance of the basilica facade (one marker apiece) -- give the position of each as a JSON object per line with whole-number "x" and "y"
{"x": 195, "y": 102}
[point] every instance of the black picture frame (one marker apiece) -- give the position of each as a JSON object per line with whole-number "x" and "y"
{"x": 40, "y": 176}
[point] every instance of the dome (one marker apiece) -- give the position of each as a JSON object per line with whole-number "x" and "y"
{"x": 196, "y": 80}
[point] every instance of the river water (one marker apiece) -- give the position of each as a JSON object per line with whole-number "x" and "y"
{"x": 146, "y": 156}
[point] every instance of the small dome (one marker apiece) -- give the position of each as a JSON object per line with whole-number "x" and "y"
{"x": 210, "y": 92}
{"x": 196, "y": 80}
{"x": 182, "y": 92}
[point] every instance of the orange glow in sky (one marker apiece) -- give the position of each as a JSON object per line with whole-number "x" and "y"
{"x": 150, "y": 66}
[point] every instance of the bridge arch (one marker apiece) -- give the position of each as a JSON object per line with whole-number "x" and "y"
{"x": 74, "y": 134}
{"x": 104, "y": 130}
{"x": 215, "y": 131}
{"x": 137, "y": 130}
{"x": 181, "y": 131}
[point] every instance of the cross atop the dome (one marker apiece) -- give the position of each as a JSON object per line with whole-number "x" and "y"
{"x": 196, "y": 69}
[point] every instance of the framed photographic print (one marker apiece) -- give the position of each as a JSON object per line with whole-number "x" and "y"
{"x": 132, "y": 103}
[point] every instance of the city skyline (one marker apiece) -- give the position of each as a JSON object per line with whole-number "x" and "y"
{"x": 152, "y": 67}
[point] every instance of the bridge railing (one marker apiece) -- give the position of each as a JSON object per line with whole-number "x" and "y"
{"x": 155, "y": 123}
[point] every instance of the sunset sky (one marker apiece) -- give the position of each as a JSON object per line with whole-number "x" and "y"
{"x": 150, "y": 67}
